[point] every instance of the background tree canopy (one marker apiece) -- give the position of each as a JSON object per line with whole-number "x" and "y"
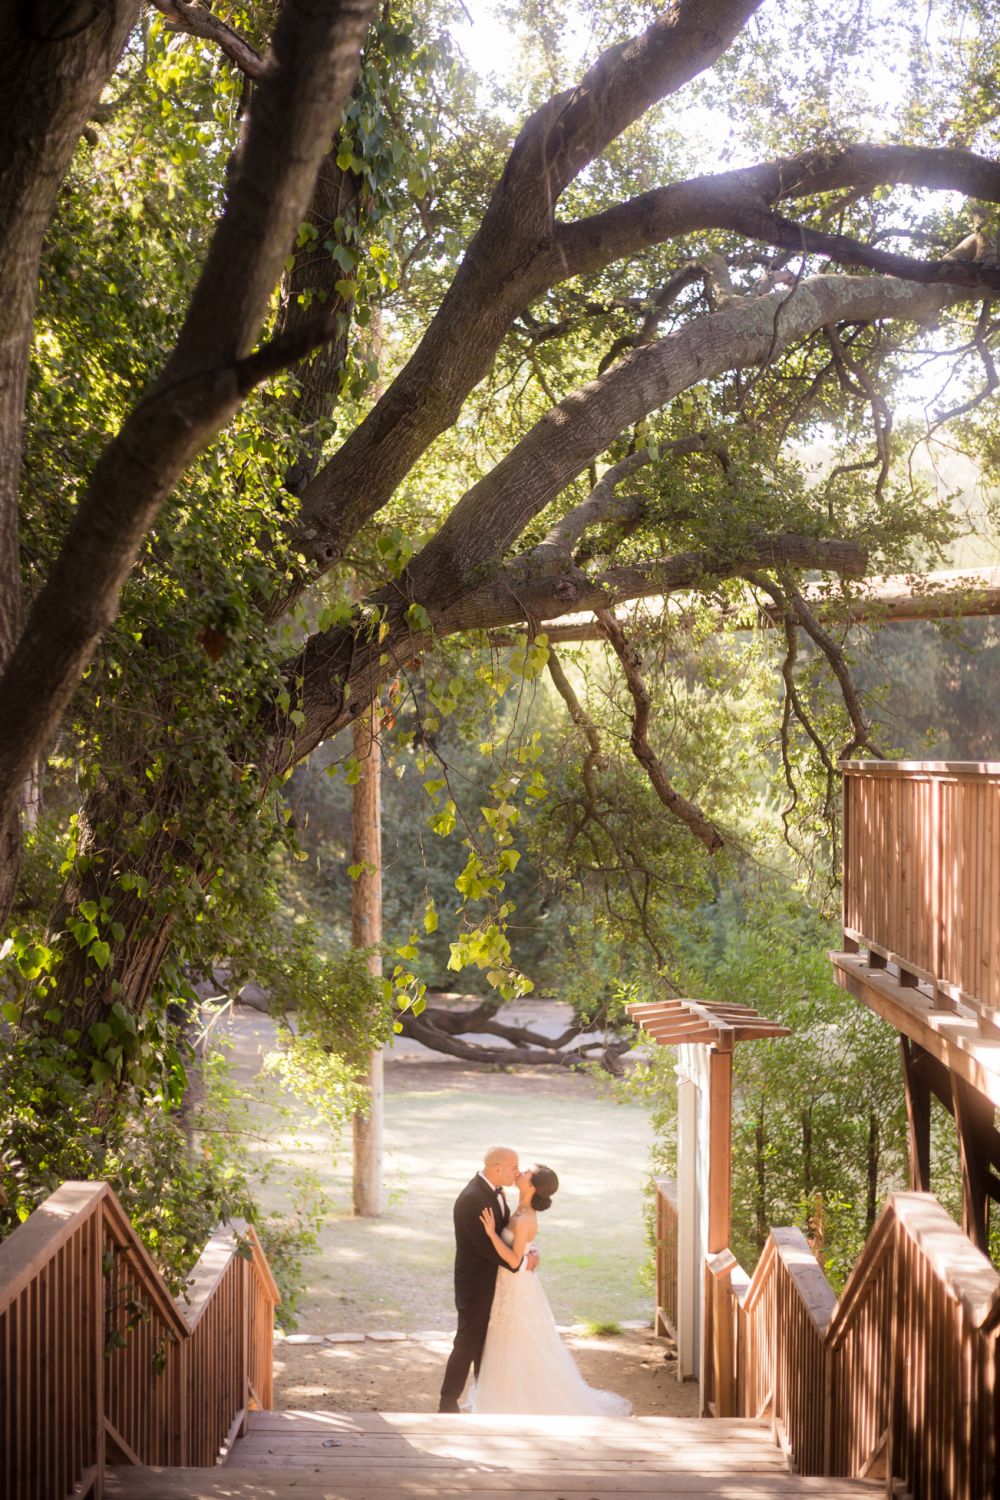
{"x": 334, "y": 371}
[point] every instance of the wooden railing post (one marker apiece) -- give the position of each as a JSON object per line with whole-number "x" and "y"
{"x": 723, "y": 1350}
{"x": 97, "y": 1320}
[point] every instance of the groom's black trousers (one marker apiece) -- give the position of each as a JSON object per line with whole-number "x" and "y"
{"x": 473, "y": 1321}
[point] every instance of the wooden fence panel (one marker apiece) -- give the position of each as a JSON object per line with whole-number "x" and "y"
{"x": 666, "y": 1255}
{"x": 922, "y": 870}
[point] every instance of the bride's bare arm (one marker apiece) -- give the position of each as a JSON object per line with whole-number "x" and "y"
{"x": 524, "y": 1228}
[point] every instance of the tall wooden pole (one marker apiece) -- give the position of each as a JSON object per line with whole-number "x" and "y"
{"x": 366, "y": 931}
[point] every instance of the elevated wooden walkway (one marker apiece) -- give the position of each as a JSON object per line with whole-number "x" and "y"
{"x": 374, "y": 1456}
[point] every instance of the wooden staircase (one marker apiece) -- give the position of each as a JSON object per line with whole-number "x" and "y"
{"x": 291, "y": 1455}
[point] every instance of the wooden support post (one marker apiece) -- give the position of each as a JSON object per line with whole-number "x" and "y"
{"x": 366, "y": 932}
{"x": 719, "y": 1357}
{"x": 719, "y": 1300}
{"x": 918, "y": 1114}
{"x": 720, "y": 1128}
{"x": 974, "y": 1119}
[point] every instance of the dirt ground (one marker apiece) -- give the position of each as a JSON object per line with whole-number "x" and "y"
{"x": 406, "y": 1376}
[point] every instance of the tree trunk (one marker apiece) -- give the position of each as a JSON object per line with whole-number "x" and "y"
{"x": 54, "y": 61}
{"x": 84, "y": 991}
{"x": 366, "y": 932}
{"x": 760, "y": 1194}
{"x": 871, "y": 1193}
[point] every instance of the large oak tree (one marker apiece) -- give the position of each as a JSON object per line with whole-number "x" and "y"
{"x": 705, "y": 324}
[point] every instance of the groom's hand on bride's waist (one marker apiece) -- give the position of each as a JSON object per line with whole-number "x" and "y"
{"x": 533, "y": 1259}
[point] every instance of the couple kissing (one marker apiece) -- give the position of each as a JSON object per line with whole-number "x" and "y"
{"x": 506, "y": 1332}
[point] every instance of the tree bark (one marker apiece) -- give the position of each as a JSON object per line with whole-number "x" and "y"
{"x": 511, "y": 259}
{"x": 310, "y": 72}
{"x": 54, "y": 61}
{"x": 366, "y": 932}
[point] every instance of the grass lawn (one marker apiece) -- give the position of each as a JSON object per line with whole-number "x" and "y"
{"x": 395, "y": 1272}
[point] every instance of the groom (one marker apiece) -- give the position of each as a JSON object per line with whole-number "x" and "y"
{"x": 476, "y": 1266}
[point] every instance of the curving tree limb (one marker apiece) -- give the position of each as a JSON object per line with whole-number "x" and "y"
{"x": 196, "y": 20}
{"x": 678, "y": 806}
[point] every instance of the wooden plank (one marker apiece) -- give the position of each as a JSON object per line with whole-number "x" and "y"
{"x": 669, "y": 1429}
{"x": 219, "y": 1485}
{"x": 952, "y": 1038}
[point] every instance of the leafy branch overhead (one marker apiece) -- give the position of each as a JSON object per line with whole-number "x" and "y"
{"x": 324, "y": 382}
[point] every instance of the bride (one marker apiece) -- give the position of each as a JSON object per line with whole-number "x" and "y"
{"x": 526, "y": 1368}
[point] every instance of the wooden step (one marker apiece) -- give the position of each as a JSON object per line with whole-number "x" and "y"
{"x": 290, "y": 1455}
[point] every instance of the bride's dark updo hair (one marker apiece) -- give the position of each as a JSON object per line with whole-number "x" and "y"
{"x": 546, "y": 1184}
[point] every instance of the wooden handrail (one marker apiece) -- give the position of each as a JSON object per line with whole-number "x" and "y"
{"x": 43, "y": 1234}
{"x": 153, "y": 1284}
{"x": 144, "y": 1377}
{"x": 898, "y": 1376}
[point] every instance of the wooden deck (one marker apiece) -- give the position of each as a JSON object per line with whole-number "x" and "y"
{"x": 290, "y": 1455}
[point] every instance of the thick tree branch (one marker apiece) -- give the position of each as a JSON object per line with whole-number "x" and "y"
{"x": 311, "y": 70}
{"x": 555, "y": 551}
{"x": 341, "y": 669}
{"x": 54, "y": 62}
{"x": 541, "y": 1052}
{"x": 745, "y": 332}
{"x": 680, "y": 807}
{"x": 511, "y": 260}
{"x": 193, "y": 20}
{"x": 743, "y": 200}
{"x": 506, "y": 268}
{"x": 950, "y": 270}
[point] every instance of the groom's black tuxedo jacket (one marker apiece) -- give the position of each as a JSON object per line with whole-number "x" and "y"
{"x": 476, "y": 1261}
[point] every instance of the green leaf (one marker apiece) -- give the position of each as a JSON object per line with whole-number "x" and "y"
{"x": 100, "y": 1034}
{"x": 100, "y": 952}
{"x": 430, "y": 917}
{"x": 417, "y": 617}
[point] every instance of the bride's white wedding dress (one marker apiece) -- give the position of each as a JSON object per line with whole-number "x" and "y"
{"x": 526, "y": 1368}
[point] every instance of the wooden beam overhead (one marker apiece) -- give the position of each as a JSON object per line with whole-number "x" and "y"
{"x": 673, "y": 1023}
{"x": 952, "y": 1036}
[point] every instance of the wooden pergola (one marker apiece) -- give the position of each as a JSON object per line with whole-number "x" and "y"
{"x": 679, "y": 1023}
{"x": 707, "y": 1033}
{"x": 671, "y": 1023}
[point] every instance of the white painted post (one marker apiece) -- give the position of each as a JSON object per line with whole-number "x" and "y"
{"x": 688, "y": 1260}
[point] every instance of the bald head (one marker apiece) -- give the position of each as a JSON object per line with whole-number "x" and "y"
{"x": 500, "y": 1166}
